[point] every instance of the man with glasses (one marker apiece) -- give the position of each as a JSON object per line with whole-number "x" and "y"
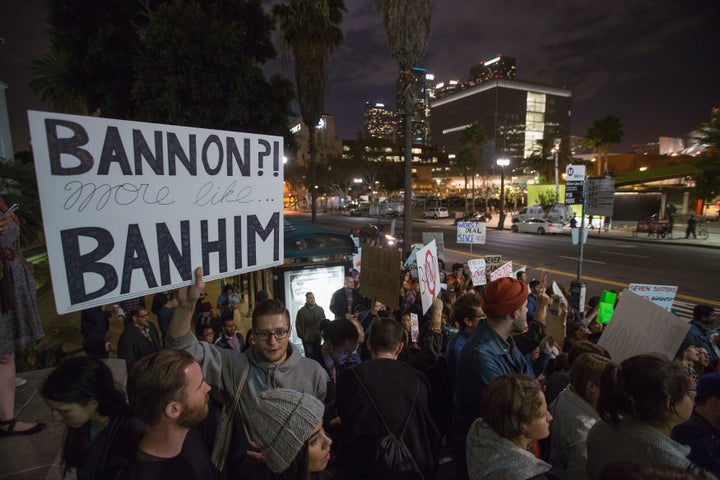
{"x": 139, "y": 338}
{"x": 272, "y": 362}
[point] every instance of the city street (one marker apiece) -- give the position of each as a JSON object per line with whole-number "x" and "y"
{"x": 611, "y": 260}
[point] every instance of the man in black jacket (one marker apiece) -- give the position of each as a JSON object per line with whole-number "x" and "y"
{"x": 400, "y": 394}
{"x": 139, "y": 338}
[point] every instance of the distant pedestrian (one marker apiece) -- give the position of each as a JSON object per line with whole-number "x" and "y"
{"x": 573, "y": 221}
{"x": 691, "y": 225}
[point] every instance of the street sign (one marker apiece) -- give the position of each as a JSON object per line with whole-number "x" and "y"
{"x": 574, "y": 184}
{"x": 600, "y": 193}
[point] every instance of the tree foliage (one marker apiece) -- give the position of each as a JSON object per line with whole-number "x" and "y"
{"x": 602, "y": 133}
{"x": 471, "y": 141}
{"x": 186, "y": 62}
{"x": 311, "y": 29}
{"x": 542, "y": 160}
{"x": 407, "y": 25}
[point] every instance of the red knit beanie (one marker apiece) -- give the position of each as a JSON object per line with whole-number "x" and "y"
{"x": 503, "y": 297}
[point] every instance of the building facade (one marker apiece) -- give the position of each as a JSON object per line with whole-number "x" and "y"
{"x": 514, "y": 116}
{"x": 498, "y": 67}
{"x": 328, "y": 144}
{"x": 379, "y": 122}
{"x": 421, "y": 94}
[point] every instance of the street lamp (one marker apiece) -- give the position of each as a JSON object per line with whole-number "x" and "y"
{"x": 502, "y": 163}
{"x": 556, "y": 151}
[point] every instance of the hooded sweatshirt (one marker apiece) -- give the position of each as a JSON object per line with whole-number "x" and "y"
{"x": 490, "y": 456}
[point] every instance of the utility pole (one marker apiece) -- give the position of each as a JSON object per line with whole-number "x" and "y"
{"x": 556, "y": 151}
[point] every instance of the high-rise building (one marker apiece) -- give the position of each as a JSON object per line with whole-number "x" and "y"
{"x": 514, "y": 116}
{"x": 421, "y": 90}
{"x": 327, "y": 143}
{"x": 498, "y": 67}
{"x": 443, "y": 89}
{"x": 379, "y": 122}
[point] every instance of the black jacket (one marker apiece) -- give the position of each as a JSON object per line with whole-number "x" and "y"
{"x": 393, "y": 386}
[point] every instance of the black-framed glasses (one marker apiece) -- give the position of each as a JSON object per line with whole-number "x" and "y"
{"x": 264, "y": 335}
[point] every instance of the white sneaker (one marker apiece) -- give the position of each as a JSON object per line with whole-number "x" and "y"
{"x": 19, "y": 382}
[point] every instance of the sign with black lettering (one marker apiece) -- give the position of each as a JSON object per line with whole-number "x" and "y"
{"x": 600, "y": 193}
{"x": 131, "y": 208}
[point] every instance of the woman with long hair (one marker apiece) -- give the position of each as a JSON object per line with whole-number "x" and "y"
{"x": 288, "y": 428}
{"x": 574, "y": 414}
{"x": 101, "y": 432}
{"x": 640, "y": 402}
{"x": 514, "y": 416}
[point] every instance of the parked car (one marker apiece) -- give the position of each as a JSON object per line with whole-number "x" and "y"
{"x": 473, "y": 217}
{"x": 353, "y": 210}
{"x": 436, "y": 212}
{"x": 540, "y": 226}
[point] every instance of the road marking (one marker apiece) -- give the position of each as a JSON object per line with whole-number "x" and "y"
{"x": 690, "y": 298}
{"x": 584, "y": 260}
{"x": 624, "y": 254}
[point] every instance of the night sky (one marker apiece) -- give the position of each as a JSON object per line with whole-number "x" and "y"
{"x": 655, "y": 64}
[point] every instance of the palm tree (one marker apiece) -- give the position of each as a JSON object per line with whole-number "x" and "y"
{"x": 50, "y": 81}
{"x": 602, "y": 133}
{"x": 471, "y": 141}
{"x": 310, "y": 29}
{"x": 407, "y": 25}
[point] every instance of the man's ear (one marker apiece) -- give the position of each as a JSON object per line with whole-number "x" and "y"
{"x": 173, "y": 409}
{"x": 369, "y": 347}
{"x": 399, "y": 348}
{"x": 467, "y": 321}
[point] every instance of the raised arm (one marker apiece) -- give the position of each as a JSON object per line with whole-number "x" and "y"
{"x": 181, "y": 320}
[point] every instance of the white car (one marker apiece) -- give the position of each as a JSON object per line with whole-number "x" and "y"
{"x": 537, "y": 225}
{"x": 437, "y": 212}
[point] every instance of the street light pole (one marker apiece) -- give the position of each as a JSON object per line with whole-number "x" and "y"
{"x": 502, "y": 163}
{"x": 556, "y": 151}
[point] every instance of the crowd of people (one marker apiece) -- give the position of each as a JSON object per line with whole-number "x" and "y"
{"x": 477, "y": 386}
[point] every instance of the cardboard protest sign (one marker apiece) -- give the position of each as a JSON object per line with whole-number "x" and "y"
{"x": 439, "y": 238}
{"x": 555, "y": 328}
{"x": 381, "y": 275}
{"x": 492, "y": 262}
{"x": 477, "y": 271}
{"x": 504, "y": 271}
{"x": 428, "y": 275}
{"x": 639, "y": 326}
{"x": 471, "y": 232}
{"x": 661, "y": 295}
{"x": 131, "y": 208}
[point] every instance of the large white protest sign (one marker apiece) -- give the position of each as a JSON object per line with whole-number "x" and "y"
{"x": 130, "y": 208}
{"x": 439, "y": 238}
{"x": 477, "y": 271}
{"x": 503, "y": 271}
{"x": 639, "y": 326}
{"x": 661, "y": 295}
{"x": 471, "y": 232}
{"x": 428, "y": 274}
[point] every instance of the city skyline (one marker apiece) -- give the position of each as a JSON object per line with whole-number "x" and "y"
{"x": 654, "y": 64}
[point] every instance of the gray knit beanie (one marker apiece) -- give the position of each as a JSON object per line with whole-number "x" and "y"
{"x": 282, "y": 423}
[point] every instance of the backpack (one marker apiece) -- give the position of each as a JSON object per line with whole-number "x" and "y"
{"x": 392, "y": 456}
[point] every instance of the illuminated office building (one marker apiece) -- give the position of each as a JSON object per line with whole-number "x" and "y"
{"x": 421, "y": 90}
{"x": 514, "y": 116}
{"x": 379, "y": 121}
{"x": 498, "y": 67}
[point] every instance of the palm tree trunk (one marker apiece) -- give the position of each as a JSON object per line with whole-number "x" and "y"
{"x": 313, "y": 192}
{"x": 408, "y": 218}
